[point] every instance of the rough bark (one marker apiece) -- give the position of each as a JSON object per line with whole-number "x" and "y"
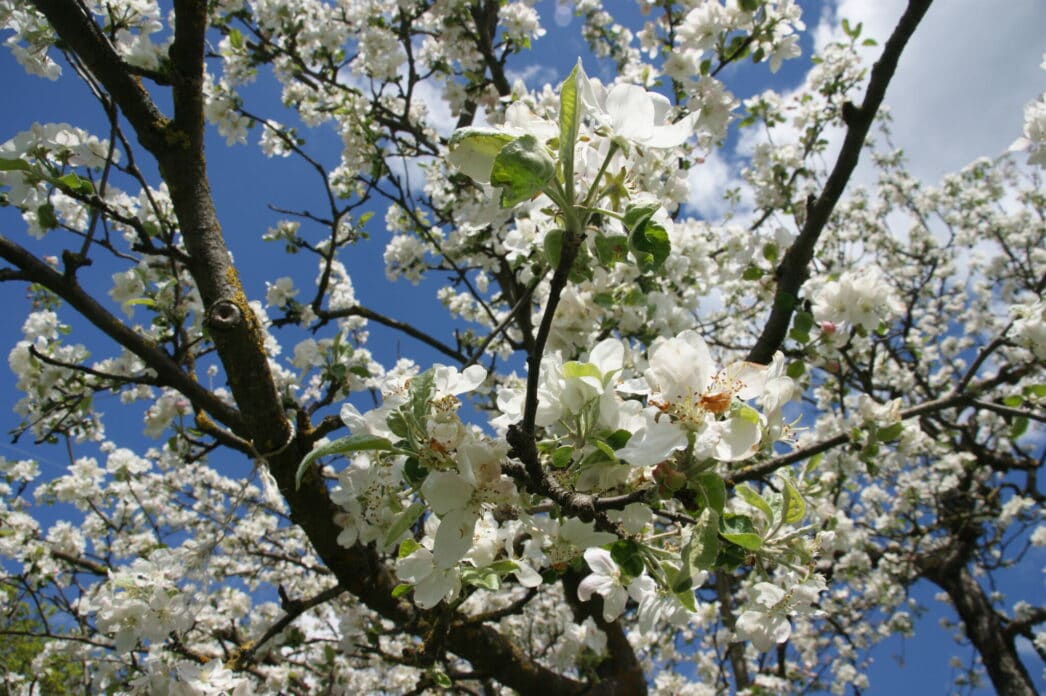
{"x": 985, "y": 630}
{"x": 177, "y": 146}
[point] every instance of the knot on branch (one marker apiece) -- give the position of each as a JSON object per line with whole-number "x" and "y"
{"x": 73, "y": 261}
{"x": 851, "y": 114}
{"x": 224, "y": 315}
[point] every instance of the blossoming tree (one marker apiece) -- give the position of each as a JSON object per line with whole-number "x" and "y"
{"x": 657, "y": 453}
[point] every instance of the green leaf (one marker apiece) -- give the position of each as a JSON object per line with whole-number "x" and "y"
{"x": 750, "y": 542}
{"x": 686, "y": 598}
{"x": 1038, "y": 390}
{"x": 619, "y": 438}
{"x": 359, "y": 442}
{"x": 650, "y": 246}
{"x": 611, "y": 249}
{"x": 76, "y": 184}
{"x": 481, "y": 577}
{"x": 12, "y": 165}
{"x": 504, "y": 567}
{"x": 713, "y": 489}
{"x": 441, "y": 679}
{"x": 581, "y": 268}
{"x": 403, "y": 522}
{"x": 739, "y": 530}
{"x": 407, "y": 547}
{"x": 731, "y": 556}
{"x": 561, "y": 457}
{"x": 626, "y": 553}
{"x": 1019, "y": 427}
{"x": 400, "y": 590}
{"x": 421, "y": 388}
{"x": 605, "y": 449}
{"x": 796, "y": 369}
{"x": 473, "y": 151}
{"x": 793, "y": 506}
{"x": 414, "y": 472}
{"x": 45, "y": 217}
{"x": 398, "y": 424}
{"x": 747, "y": 413}
{"x": 577, "y": 370}
{"x": 236, "y": 39}
{"x": 554, "y": 247}
{"x": 803, "y": 321}
{"x": 812, "y": 464}
{"x": 521, "y": 170}
{"x": 890, "y": 432}
{"x": 799, "y": 336}
{"x": 753, "y": 273}
{"x": 569, "y": 121}
{"x": 752, "y": 497}
{"x": 638, "y": 215}
{"x": 1013, "y": 401}
{"x": 700, "y": 550}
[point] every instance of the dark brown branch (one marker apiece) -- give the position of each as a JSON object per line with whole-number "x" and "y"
{"x": 243, "y": 657}
{"x": 724, "y": 586}
{"x": 360, "y": 311}
{"x": 794, "y": 268}
{"x": 512, "y": 608}
{"x": 120, "y": 379}
{"x": 86, "y": 40}
{"x": 620, "y": 671}
{"x": 758, "y": 471}
{"x": 80, "y": 562}
{"x": 168, "y": 372}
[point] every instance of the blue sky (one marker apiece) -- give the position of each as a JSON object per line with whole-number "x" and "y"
{"x": 959, "y": 94}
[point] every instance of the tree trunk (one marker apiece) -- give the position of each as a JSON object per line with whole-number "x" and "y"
{"x": 984, "y": 629}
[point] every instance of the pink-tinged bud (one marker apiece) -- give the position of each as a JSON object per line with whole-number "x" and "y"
{"x": 828, "y": 327}
{"x": 52, "y": 260}
{"x": 832, "y": 367}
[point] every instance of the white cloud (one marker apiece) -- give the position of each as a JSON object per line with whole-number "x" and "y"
{"x": 963, "y": 79}
{"x": 534, "y": 76}
{"x": 708, "y": 182}
{"x": 430, "y": 93}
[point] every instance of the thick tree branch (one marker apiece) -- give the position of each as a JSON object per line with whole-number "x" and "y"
{"x": 168, "y": 372}
{"x": 983, "y": 627}
{"x": 86, "y": 40}
{"x": 794, "y": 268}
{"x": 412, "y": 331}
{"x": 243, "y": 657}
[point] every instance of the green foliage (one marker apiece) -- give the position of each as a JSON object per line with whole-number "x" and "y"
{"x": 357, "y": 442}
{"x": 569, "y": 122}
{"x": 647, "y": 240}
{"x": 21, "y": 641}
{"x": 521, "y": 170}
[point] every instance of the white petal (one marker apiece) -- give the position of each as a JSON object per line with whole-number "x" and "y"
{"x": 608, "y": 355}
{"x": 739, "y": 439}
{"x": 631, "y": 111}
{"x": 653, "y": 443}
{"x": 454, "y": 537}
{"x": 590, "y": 584}
{"x": 599, "y": 561}
{"x": 436, "y": 587}
{"x": 672, "y": 135}
{"x": 614, "y": 603}
{"x": 446, "y": 491}
{"x": 471, "y": 378}
{"x": 415, "y": 567}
